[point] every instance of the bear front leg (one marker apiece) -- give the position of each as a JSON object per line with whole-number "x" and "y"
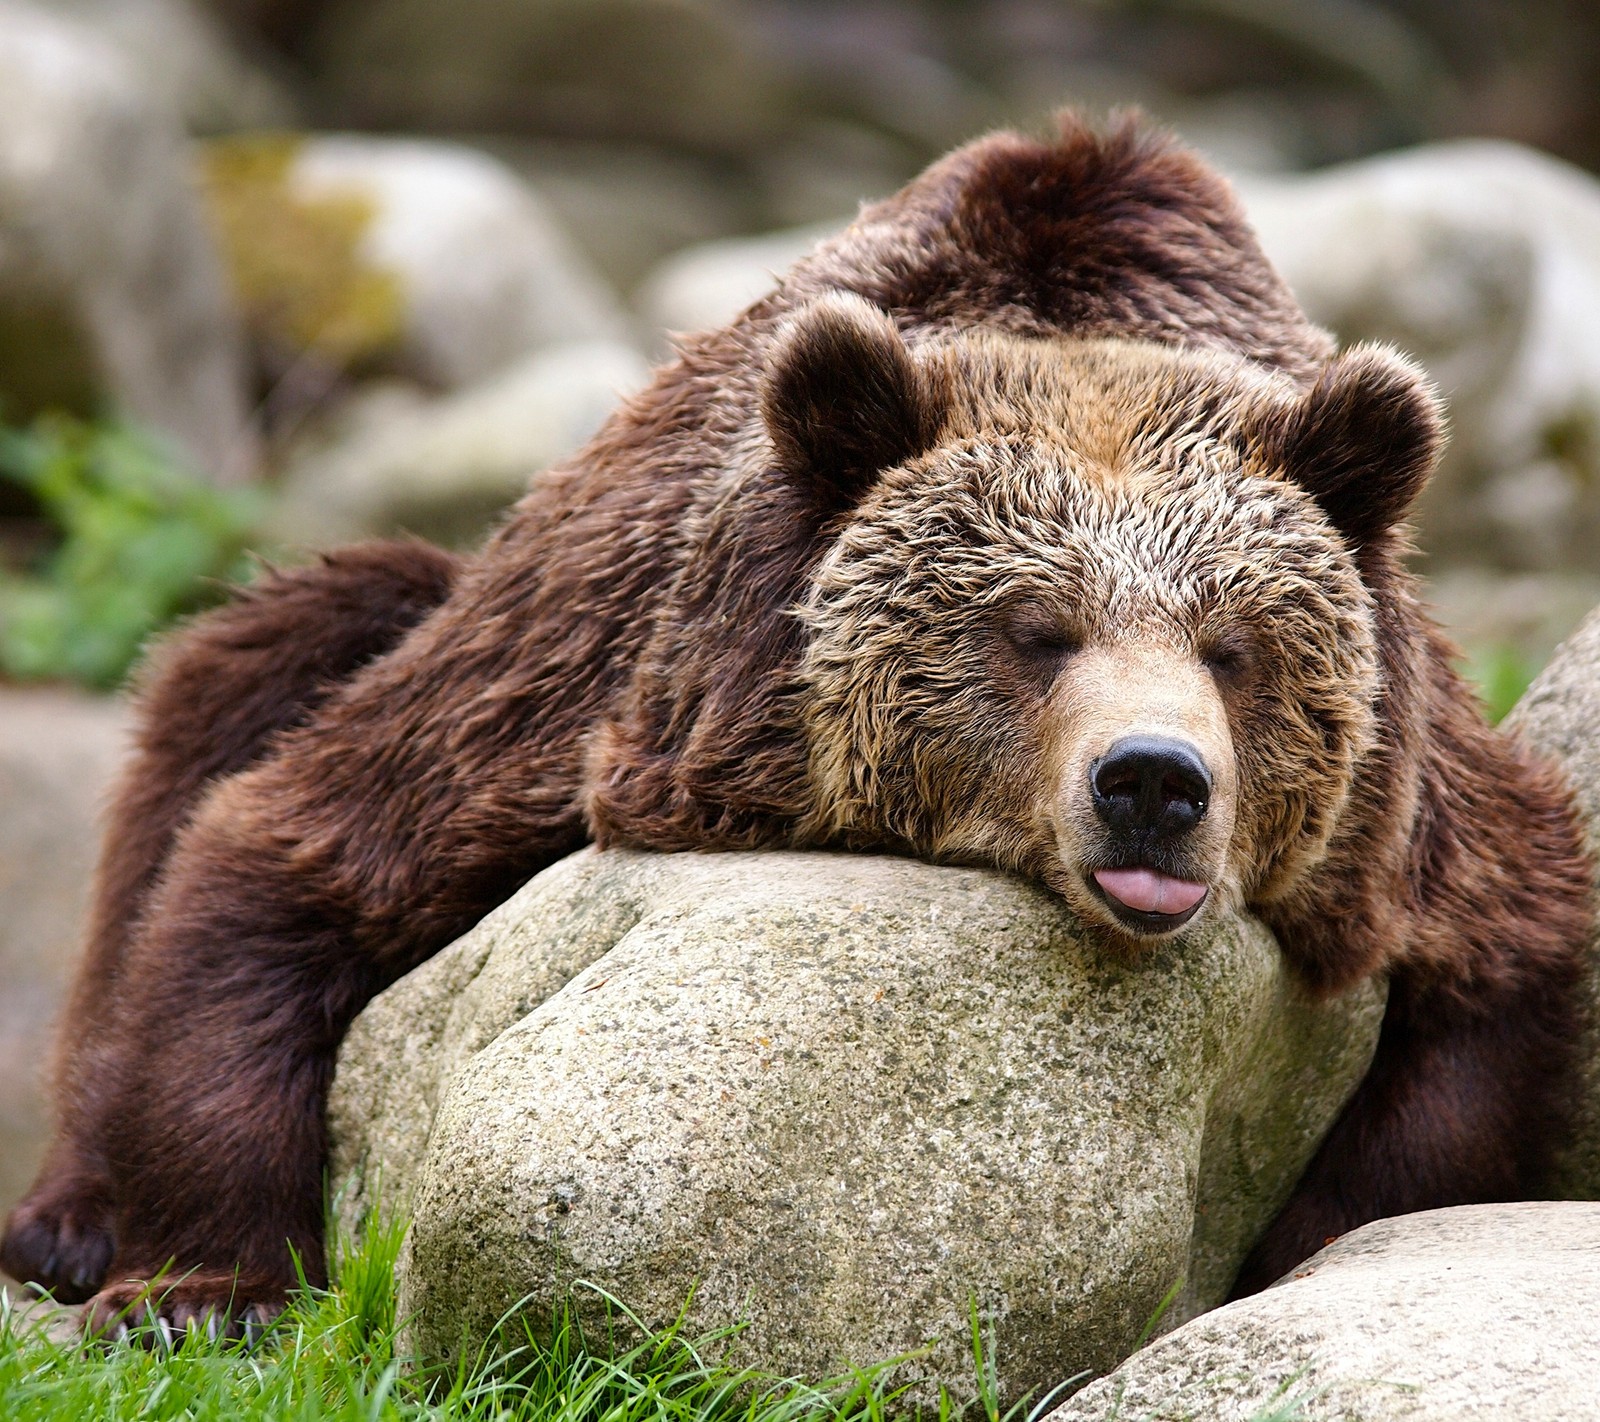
{"x": 1469, "y": 1094}
{"x": 235, "y": 995}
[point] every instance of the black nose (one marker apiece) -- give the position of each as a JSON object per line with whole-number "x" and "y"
{"x": 1150, "y": 785}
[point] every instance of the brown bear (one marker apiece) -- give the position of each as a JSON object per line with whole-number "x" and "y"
{"x": 1027, "y": 523}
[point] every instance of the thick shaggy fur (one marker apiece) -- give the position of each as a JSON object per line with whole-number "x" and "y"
{"x": 877, "y": 565}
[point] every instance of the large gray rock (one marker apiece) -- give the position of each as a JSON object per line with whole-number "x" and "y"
{"x": 707, "y": 285}
{"x": 1560, "y": 717}
{"x": 1484, "y": 1313}
{"x": 486, "y": 276}
{"x": 841, "y": 1097}
{"x": 111, "y": 291}
{"x": 627, "y": 205}
{"x": 445, "y": 468}
{"x": 186, "y": 62}
{"x": 58, "y": 753}
{"x": 1483, "y": 260}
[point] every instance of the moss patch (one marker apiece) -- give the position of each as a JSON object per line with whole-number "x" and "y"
{"x": 296, "y": 261}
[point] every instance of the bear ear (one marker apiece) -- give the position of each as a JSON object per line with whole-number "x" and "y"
{"x": 843, "y": 399}
{"x": 1363, "y": 441}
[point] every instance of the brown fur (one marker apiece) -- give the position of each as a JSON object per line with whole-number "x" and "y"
{"x": 875, "y": 565}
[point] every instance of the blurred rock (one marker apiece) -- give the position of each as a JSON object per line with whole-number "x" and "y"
{"x": 672, "y": 72}
{"x": 628, "y": 205}
{"x": 1484, "y": 1311}
{"x": 185, "y": 61}
{"x": 57, "y": 1324}
{"x": 840, "y": 1097}
{"x": 488, "y": 276}
{"x": 111, "y": 292}
{"x": 1560, "y": 717}
{"x": 58, "y": 753}
{"x": 826, "y": 171}
{"x": 707, "y": 286}
{"x": 445, "y": 468}
{"x": 1483, "y": 260}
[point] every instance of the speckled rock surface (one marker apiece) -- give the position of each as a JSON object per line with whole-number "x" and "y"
{"x": 1560, "y": 716}
{"x": 1466, "y": 1315}
{"x": 839, "y": 1096}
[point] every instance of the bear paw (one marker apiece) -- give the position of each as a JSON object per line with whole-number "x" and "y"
{"x": 161, "y": 1312}
{"x": 59, "y": 1241}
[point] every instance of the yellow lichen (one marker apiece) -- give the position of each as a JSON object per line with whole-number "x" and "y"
{"x": 296, "y": 260}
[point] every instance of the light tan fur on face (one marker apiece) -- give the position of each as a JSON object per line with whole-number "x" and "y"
{"x": 1107, "y": 491}
{"x": 1136, "y": 686}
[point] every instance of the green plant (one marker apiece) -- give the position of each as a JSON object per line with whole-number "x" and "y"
{"x": 1501, "y": 672}
{"x": 131, "y": 542}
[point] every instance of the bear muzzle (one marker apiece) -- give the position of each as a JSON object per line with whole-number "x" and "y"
{"x": 1149, "y": 792}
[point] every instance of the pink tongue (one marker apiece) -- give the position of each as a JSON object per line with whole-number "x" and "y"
{"x": 1145, "y": 891}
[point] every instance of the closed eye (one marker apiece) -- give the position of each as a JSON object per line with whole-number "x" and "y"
{"x": 1230, "y": 659}
{"x": 1040, "y": 639}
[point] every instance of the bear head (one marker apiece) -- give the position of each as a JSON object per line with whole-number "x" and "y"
{"x": 1091, "y": 610}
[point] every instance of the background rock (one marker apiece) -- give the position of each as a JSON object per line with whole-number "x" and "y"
{"x": 1483, "y": 261}
{"x": 1560, "y": 717}
{"x": 1480, "y": 1312}
{"x": 706, "y": 286}
{"x": 429, "y": 260}
{"x": 58, "y": 754}
{"x": 487, "y": 275}
{"x": 110, "y": 289}
{"x": 628, "y": 205}
{"x": 840, "y": 1096}
{"x": 445, "y": 468}
{"x": 186, "y": 62}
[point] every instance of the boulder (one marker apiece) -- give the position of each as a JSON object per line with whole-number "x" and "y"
{"x": 185, "y": 61}
{"x": 111, "y": 292}
{"x": 1483, "y": 260}
{"x": 446, "y": 468}
{"x": 844, "y": 1098}
{"x": 486, "y": 275}
{"x": 1560, "y": 717}
{"x": 58, "y": 754}
{"x": 429, "y": 260}
{"x": 706, "y": 286}
{"x": 627, "y": 205}
{"x": 1479, "y": 1312}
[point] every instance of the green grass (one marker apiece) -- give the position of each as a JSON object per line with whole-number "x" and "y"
{"x": 336, "y": 1354}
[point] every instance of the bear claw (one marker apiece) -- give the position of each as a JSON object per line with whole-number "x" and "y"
{"x": 59, "y": 1242}
{"x": 160, "y": 1315}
